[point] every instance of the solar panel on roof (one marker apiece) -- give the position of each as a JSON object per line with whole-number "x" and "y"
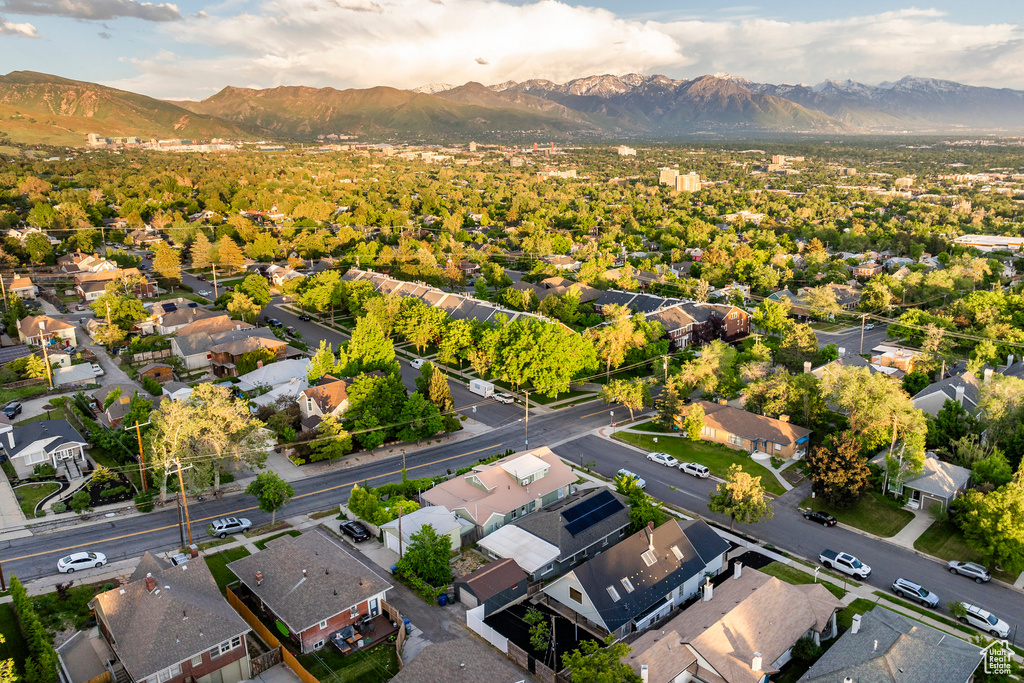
{"x": 597, "y": 509}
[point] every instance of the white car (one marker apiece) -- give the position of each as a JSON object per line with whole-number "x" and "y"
{"x": 69, "y": 564}
{"x": 632, "y": 475}
{"x": 869, "y": 326}
{"x": 203, "y": 292}
{"x": 417, "y": 363}
{"x": 695, "y": 469}
{"x": 985, "y": 621}
{"x": 97, "y": 369}
{"x": 663, "y": 459}
{"x": 504, "y": 398}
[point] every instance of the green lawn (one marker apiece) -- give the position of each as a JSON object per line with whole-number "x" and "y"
{"x": 859, "y": 606}
{"x": 218, "y": 565}
{"x": 58, "y": 413}
{"x": 14, "y": 645}
{"x": 874, "y": 513}
{"x": 29, "y": 496}
{"x": 544, "y": 400}
{"x": 714, "y": 457}
{"x": 785, "y": 572}
{"x": 22, "y": 392}
{"x": 262, "y": 545}
{"x": 652, "y": 426}
{"x": 944, "y": 540}
{"x": 376, "y": 665}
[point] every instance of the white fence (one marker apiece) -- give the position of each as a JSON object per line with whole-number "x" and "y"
{"x": 475, "y": 622}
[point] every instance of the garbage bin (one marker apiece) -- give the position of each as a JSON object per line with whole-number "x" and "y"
{"x": 442, "y": 600}
{"x": 394, "y": 568}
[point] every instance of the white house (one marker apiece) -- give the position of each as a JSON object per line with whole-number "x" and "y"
{"x": 53, "y": 331}
{"x": 444, "y": 522}
{"x": 43, "y": 441}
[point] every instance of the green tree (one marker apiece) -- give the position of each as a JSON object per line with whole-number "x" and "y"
{"x": 272, "y": 492}
{"x": 822, "y": 302}
{"x": 633, "y": 393}
{"x": 993, "y": 524}
{"x": 419, "y": 419}
{"x": 229, "y": 255}
{"x": 693, "y": 423}
{"x": 642, "y": 508}
{"x": 950, "y": 424}
{"x": 369, "y": 347}
{"x": 839, "y": 472}
{"x": 426, "y": 557}
{"x": 914, "y": 382}
{"x": 993, "y": 471}
{"x": 200, "y": 252}
{"x": 670, "y": 402}
{"x": 323, "y": 362}
{"x": 741, "y": 497}
{"x": 540, "y": 630}
{"x": 38, "y": 248}
{"x": 167, "y": 264}
{"x": 333, "y": 441}
{"x": 438, "y": 391}
{"x": 251, "y": 360}
{"x": 612, "y": 341}
{"x": 241, "y": 307}
{"x": 255, "y": 287}
{"x": 772, "y": 316}
{"x": 798, "y": 345}
{"x": 593, "y": 663}
{"x": 119, "y": 309}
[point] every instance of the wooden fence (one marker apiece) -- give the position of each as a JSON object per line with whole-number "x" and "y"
{"x": 151, "y": 356}
{"x": 269, "y": 638}
{"x": 396, "y": 617}
{"x": 267, "y": 660}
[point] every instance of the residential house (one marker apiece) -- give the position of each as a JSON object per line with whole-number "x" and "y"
{"x": 963, "y": 388}
{"x": 562, "y": 535}
{"x": 750, "y": 432}
{"x": 36, "y": 329}
{"x": 938, "y": 484}
{"x": 493, "y": 495}
{"x": 172, "y": 625}
{"x": 22, "y": 234}
{"x": 495, "y": 585}
{"x": 193, "y": 341}
{"x": 74, "y": 375}
{"x": 169, "y": 322}
{"x": 312, "y": 585}
{"x": 468, "y": 268}
{"x": 743, "y": 631}
{"x": 885, "y": 647}
{"x": 229, "y": 347}
{"x": 896, "y": 357}
{"x": 158, "y": 372}
{"x": 459, "y": 660}
{"x": 281, "y": 381}
{"x": 91, "y": 286}
{"x": 176, "y": 391}
{"x": 144, "y": 237}
{"x": 79, "y": 262}
{"x": 562, "y": 262}
{"x": 278, "y": 275}
{"x": 846, "y": 296}
{"x": 868, "y": 269}
{"x": 687, "y": 323}
{"x": 445, "y": 523}
{"x": 328, "y": 397}
{"x": 23, "y": 287}
{"x": 640, "y": 580}
{"x": 45, "y": 441}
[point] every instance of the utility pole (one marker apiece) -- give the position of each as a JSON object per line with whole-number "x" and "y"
{"x": 214, "y": 266}
{"x": 184, "y": 500}
{"x": 3, "y": 582}
{"x": 666, "y": 368}
{"x": 46, "y": 356}
{"x": 142, "y": 456}
{"x": 862, "y": 319}
{"x": 401, "y": 550}
{"x": 3, "y": 288}
{"x": 527, "y": 417}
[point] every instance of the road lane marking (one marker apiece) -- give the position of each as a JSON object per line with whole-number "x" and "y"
{"x": 236, "y": 512}
{"x": 592, "y": 414}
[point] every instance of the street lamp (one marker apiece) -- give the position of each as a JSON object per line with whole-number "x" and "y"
{"x": 611, "y": 417}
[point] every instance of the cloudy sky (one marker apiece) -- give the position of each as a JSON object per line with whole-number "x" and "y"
{"x": 193, "y": 48}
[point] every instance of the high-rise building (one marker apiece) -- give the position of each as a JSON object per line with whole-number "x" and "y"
{"x": 668, "y": 177}
{"x": 625, "y": 151}
{"x": 690, "y": 182}
{"x": 779, "y": 159}
{"x": 472, "y": 146}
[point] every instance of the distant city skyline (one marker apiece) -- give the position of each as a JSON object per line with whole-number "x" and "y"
{"x": 194, "y": 48}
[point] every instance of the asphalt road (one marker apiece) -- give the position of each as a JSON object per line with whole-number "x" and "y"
{"x": 851, "y": 341}
{"x": 789, "y": 530}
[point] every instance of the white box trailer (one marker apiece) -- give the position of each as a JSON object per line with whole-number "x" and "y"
{"x": 481, "y": 387}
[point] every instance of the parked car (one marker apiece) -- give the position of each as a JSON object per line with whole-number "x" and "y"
{"x": 97, "y": 369}
{"x": 504, "y": 398}
{"x": 984, "y": 620}
{"x": 844, "y": 562}
{"x": 82, "y": 321}
{"x": 203, "y": 292}
{"x": 290, "y": 330}
{"x": 914, "y": 591}
{"x": 143, "y": 266}
{"x": 149, "y": 257}
{"x": 230, "y": 525}
{"x": 356, "y": 531}
{"x": 663, "y": 459}
{"x": 274, "y": 322}
{"x": 304, "y": 318}
{"x": 695, "y": 469}
{"x": 12, "y": 409}
{"x": 869, "y": 326}
{"x": 229, "y": 288}
{"x": 819, "y": 517}
{"x": 74, "y": 561}
{"x": 417, "y": 363}
{"x": 632, "y": 475}
{"x": 970, "y": 569}
{"x": 201, "y": 278}
{"x": 79, "y": 307}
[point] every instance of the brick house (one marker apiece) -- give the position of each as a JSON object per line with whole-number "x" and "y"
{"x": 225, "y": 356}
{"x": 91, "y": 286}
{"x": 172, "y": 625}
{"x": 737, "y": 428}
{"x": 312, "y": 585}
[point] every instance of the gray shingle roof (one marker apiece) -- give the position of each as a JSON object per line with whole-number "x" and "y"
{"x": 462, "y": 660}
{"x": 56, "y": 434}
{"x": 907, "y": 652}
{"x": 334, "y": 579}
{"x": 548, "y": 523}
{"x": 184, "y": 616}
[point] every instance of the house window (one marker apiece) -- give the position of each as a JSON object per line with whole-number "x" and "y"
{"x": 709, "y": 432}
{"x": 225, "y": 647}
{"x": 323, "y": 624}
{"x": 549, "y": 568}
{"x": 627, "y": 584}
{"x": 778, "y": 447}
{"x": 197, "y": 660}
{"x": 169, "y": 673}
{"x": 575, "y": 595}
{"x": 614, "y": 593}
{"x": 318, "y": 644}
{"x": 735, "y": 440}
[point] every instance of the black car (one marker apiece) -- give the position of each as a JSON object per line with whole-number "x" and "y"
{"x": 273, "y": 322}
{"x": 356, "y": 531}
{"x": 304, "y": 318}
{"x": 820, "y": 517}
{"x": 11, "y": 409}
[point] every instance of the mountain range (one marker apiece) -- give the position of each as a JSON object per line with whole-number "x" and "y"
{"x": 38, "y": 108}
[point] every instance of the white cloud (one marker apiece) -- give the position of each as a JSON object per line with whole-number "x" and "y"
{"x": 9, "y": 28}
{"x": 94, "y": 9}
{"x": 406, "y": 43}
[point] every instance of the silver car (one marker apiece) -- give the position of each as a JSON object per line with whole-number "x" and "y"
{"x": 663, "y": 459}
{"x": 971, "y": 570}
{"x": 985, "y": 621}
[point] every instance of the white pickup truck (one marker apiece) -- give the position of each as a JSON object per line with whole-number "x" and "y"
{"x": 844, "y": 562}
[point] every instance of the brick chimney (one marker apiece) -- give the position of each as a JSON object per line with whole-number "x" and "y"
{"x": 150, "y": 583}
{"x": 259, "y": 578}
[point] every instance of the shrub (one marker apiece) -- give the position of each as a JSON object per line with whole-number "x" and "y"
{"x": 152, "y": 386}
{"x": 806, "y": 650}
{"x": 144, "y": 501}
{"x": 80, "y": 501}
{"x": 114, "y": 492}
{"x": 58, "y": 508}
{"x": 44, "y": 471}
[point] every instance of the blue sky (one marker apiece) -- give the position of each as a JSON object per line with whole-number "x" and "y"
{"x": 193, "y": 48}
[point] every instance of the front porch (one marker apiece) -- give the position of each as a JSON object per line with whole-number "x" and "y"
{"x": 70, "y": 463}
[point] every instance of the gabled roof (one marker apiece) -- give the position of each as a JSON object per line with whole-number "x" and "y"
{"x": 515, "y": 543}
{"x": 443, "y": 521}
{"x": 754, "y": 613}
{"x": 891, "y": 648}
{"x": 937, "y": 477}
{"x": 555, "y": 523}
{"x": 54, "y": 434}
{"x": 278, "y": 372}
{"x": 307, "y": 579}
{"x": 697, "y": 547}
{"x": 30, "y": 326}
{"x": 932, "y": 397}
{"x": 186, "y": 316}
{"x": 236, "y": 347}
{"x": 672, "y": 318}
{"x": 328, "y": 394}
{"x": 750, "y": 425}
{"x": 492, "y": 578}
{"x": 214, "y": 325}
{"x": 460, "y": 660}
{"x": 184, "y": 616}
